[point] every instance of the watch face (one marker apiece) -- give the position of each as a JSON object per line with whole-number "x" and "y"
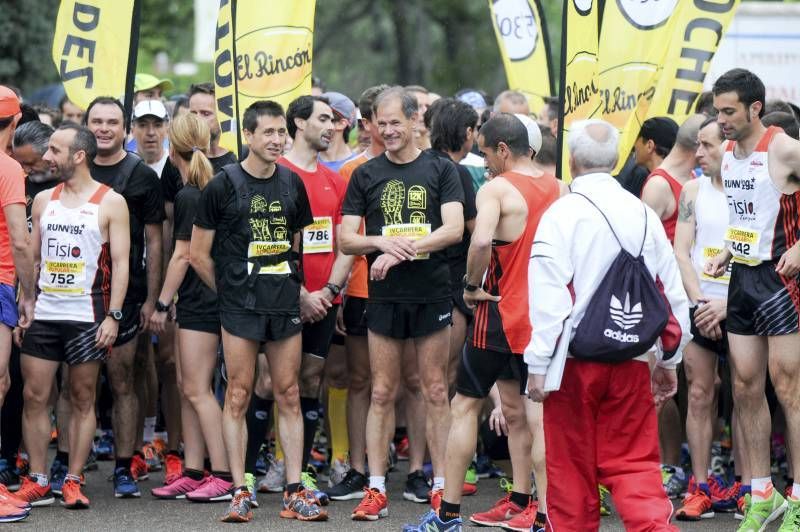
{"x": 116, "y": 314}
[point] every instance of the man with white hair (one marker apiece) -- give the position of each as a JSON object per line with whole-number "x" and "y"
{"x": 612, "y": 435}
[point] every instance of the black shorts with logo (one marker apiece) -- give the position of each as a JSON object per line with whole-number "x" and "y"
{"x": 354, "y": 314}
{"x": 408, "y": 320}
{"x": 317, "y": 336}
{"x": 720, "y": 347}
{"x": 761, "y": 302}
{"x": 130, "y": 325}
{"x": 261, "y": 327}
{"x": 481, "y": 368}
{"x": 72, "y": 342}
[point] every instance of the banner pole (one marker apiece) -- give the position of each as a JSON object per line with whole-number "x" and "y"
{"x": 133, "y": 53}
{"x": 235, "y": 82}
{"x": 562, "y": 83}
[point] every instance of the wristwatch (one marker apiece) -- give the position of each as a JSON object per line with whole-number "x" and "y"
{"x": 161, "y": 307}
{"x": 469, "y": 287}
{"x": 115, "y": 314}
{"x": 333, "y": 288}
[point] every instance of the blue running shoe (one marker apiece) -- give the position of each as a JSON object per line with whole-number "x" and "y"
{"x": 309, "y": 482}
{"x": 9, "y": 476}
{"x": 58, "y": 473}
{"x": 105, "y": 446}
{"x": 430, "y": 522}
{"x": 124, "y": 485}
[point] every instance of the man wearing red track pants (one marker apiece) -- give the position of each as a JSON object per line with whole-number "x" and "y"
{"x": 600, "y": 426}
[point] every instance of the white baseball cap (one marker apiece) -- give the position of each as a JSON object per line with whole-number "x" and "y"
{"x": 150, "y": 108}
{"x": 534, "y": 133}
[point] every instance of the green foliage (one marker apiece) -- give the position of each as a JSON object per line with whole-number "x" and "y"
{"x": 25, "y": 42}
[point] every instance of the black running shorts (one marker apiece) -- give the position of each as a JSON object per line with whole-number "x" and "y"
{"x": 408, "y": 320}
{"x": 480, "y": 369}
{"x": 354, "y": 314}
{"x": 317, "y": 336}
{"x": 261, "y": 327}
{"x": 720, "y": 347}
{"x": 761, "y": 302}
{"x": 72, "y": 342}
{"x": 130, "y": 325}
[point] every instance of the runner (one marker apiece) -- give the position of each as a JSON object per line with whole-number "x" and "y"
{"x": 353, "y": 314}
{"x": 253, "y": 215}
{"x": 198, "y": 323}
{"x": 411, "y": 204}
{"x": 511, "y": 101}
{"x": 81, "y": 230}
{"x": 656, "y": 139}
{"x": 138, "y": 184}
{"x": 509, "y": 208}
{"x": 699, "y": 236}
{"x": 344, "y": 120}
{"x": 758, "y": 172}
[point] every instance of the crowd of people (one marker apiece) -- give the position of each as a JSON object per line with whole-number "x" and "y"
{"x": 403, "y": 277}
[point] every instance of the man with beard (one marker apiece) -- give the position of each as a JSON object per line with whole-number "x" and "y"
{"x": 81, "y": 235}
{"x": 30, "y": 144}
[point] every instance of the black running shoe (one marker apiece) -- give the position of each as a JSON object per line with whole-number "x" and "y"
{"x": 351, "y": 487}
{"x": 417, "y": 487}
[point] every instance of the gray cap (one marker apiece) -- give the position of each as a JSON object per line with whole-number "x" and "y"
{"x": 342, "y": 106}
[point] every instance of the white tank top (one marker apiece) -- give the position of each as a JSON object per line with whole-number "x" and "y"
{"x": 75, "y": 268}
{"x": 756, "y": 231}
{"x": 711, "y": 221}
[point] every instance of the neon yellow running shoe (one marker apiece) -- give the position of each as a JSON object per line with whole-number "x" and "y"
{"x": 761, "y": 513}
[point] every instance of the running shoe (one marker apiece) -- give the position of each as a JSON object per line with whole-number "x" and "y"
{"x": 318, "y": 459}
{"x": 35, "y": 494}
{"x": 212, "y": 489}
{"x": 250, "y": 484}
{"x": 58, "y": 473}
{"x": 791, "y": 519}
{"x": 430, "y": 522}
{"x": 436, "y": 499}
{"x": 487, "y": 469}
{"x": 524, "y": 522}
{"x": 125, "y": 486}
{"x": 275, "y": 478}
{"x": 351, "y": 487}
{"x": 696, "y": 506}
{"x": 72, "y": 497}
{"x": 338, "y": 471}
{"x": 726, "y": 500}
{"x": 173, "y": 468}
{"x": 11, "y": 514}
{"x": 499, "y": 514}
{"x": 105, "y": 446}
{"x": 674, "y": 481}
{"x": 303, "y": 506}
{"x": 10, "y": 499}
{"x": 417, "y": 487}
{"x": 742, "y": 505}
{"x": 9, "y": 476}
{"x": 22, "y": 465}
{"x": 605, "y": 503}
{"x": 372, "y": 507}
{"x": 401, "y": 448}
{"x": 177, "y": 489}
{"x": 91, "y": 462}
{"x": 470, "y": 486}
{"x": 151, "y": 457}
{"x": 261, "y": 461}
{"x": 239, "y": 510}
{"x": 139, "y": 468}
{"x": 309, "y": 482}
{"x": 761, "y": 513}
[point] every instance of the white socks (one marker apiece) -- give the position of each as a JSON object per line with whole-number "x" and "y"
{"x": 761, "y": 488}
{"x": 438, "y": 483}
{"x": 378, "y": 483}
{"x": 149, "y": 429}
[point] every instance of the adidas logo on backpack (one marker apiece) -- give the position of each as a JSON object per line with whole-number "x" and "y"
{"x": 625, "y": 317}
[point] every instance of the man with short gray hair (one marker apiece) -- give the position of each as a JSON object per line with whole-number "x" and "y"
{"x": 612, "y": 436}
{"x": 512, "y": 102}
{"x": 29, "y": 145}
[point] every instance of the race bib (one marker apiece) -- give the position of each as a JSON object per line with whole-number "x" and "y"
{"x": 708, "y": 254}
{"x": 267, "y": 249}
{"x": 744, "y": 245}
{"x": 318, "y": 237}
{"x": 64, "y": 277}
{"x": 411, "y": 231}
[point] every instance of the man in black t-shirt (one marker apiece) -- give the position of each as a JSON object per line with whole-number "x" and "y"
{"x": 105, "y": 117}
{"x": 246, "y": 244}
{"x": 411, "y": 202}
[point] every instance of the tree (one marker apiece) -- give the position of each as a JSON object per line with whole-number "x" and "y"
{"x": 25, "y": 43}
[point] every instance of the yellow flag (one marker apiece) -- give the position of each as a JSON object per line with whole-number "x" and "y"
{"x": 264, "y": 52}
{"x": 697, "y": 33}
{"x": 581, "y": 97}
{"x": 522, "y": 36}
{"x": 92, "y": 48}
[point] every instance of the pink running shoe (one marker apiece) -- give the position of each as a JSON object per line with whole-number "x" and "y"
{"x": 213, "y": 489}
{"x": 177, "y": 489}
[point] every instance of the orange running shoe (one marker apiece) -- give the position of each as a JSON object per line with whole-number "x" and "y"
{"x": 174, "y": 468}
{"x": 10, "y": 499}
{"x": 151, "y": 457}
{"x": 436, "y": 500}
{"x": 502, "y": 512}
{"x": 72, "y": 498}
{"x": 696, "y": 506}
{"x": 139, "y": 468}
{"x": 34, "y": 494}
{"x": 469, "y": 489}
{"x": 523, "y": 522}
{"x": 11, "y": 514}
{"x": 372, "y": 507}
{"x": 303, "y": 506}
{"x": 239, "y": 509}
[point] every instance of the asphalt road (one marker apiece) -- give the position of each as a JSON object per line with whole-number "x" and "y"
{"x": 147, "y": 513}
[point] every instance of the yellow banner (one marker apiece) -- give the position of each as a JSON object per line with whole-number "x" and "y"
{"x": 522, "y": 36}
{"x": 580, "y": 94}
{"x": 264, "y": 52}
{"x": 91, "y": 48}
